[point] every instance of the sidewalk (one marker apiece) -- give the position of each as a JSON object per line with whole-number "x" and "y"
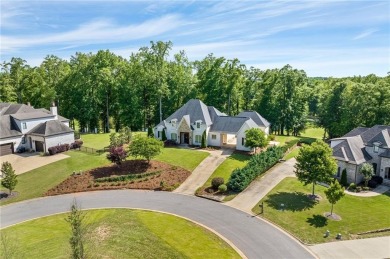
{"x": 203, "y": 171}
{"x": 248, "y": 198}
{"x": 378, "y": 247}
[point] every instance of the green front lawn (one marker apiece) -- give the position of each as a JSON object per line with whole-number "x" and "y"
{"x": 225, "y": 169}
{"x": 292, "y": 154}
{"x": 117, "y": 233}
{"x": 304, "y": 218}
{"x": 185, "y": 158}
{"x": 36, "y": 182}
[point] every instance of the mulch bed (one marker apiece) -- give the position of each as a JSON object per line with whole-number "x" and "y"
{"x": 5, "y": 195}
{"x": 171, "y": 176}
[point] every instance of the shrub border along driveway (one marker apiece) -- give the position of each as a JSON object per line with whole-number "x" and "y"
{"x": 254, "y": 237}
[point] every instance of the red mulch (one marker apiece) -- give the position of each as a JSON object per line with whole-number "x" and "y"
{"x": 170, "y": 175}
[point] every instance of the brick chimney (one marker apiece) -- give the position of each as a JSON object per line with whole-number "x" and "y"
{"x": 53, "y": 110}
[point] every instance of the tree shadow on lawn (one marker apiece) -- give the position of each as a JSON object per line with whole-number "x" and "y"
{"x": 317, "y": 221}
{"x": 293, "y": 201}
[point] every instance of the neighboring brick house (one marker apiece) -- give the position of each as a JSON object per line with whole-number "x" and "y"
{"x": 187, "y": 124}
{"x": 24, "y": 127}
{"x": 371, "y": 145}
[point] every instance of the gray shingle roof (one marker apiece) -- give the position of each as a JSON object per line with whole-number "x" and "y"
{"x": 257, "y": 118}
{"x": 228, "y": 124}
{"x": 8, "y": 128}
{"x": 13, "y": 108}
{"x": 50, "y": 128}
{"x": 214, "y": 112}
{"x": 385, "y": 154}
{"x": 352, "y": 150}
{"x": 31, "y": 115}
{"x": 196, "y": 110}
{"x": 60, "y": 118}
{"x": 356, "y": 131}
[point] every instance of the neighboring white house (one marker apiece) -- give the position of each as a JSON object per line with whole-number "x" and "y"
{"x": 371, "y": 145}
{"x": 187, "y": 124}
{"x": 23, "y": 127}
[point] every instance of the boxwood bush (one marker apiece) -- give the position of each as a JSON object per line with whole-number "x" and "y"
{"x": 257, "y": 165}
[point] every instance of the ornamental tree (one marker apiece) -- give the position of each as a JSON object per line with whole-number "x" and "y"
{"x": 367, "y": 170}
{"x": 117, "y": 155}
{"x": 334, "y": 193}
{"x": 315, "y": 164}
{"x": 9, "y": 180}
{"x": 145, "y": 147}
{"x": 204, "y": 142}
{"x": 255, "y": 138}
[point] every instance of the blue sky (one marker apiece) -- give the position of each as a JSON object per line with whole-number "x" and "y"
{"x": 324, "y": 38}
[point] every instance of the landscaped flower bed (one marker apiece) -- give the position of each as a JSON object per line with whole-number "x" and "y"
{"x": 132, "y": 174}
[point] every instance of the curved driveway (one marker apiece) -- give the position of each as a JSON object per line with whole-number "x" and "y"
{"x": 255, "y": 238}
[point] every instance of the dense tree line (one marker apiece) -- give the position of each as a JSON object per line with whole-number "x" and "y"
{"x": 104, "y": 90}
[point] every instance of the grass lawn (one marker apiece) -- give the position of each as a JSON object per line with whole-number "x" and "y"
{"x": 36, "y": 182}
{"x": 304, "y": 218}
{"x": 226, "y": 168}
{"x": 100, "y": 140}
{"x": 309, "y": 134}
{"x": 185, "y": 158}
{"x": 118, "y": 233}
{"x": 292, "y": 154}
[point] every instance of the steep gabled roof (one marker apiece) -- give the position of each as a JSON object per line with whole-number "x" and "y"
{"x": 352, "y": 150}
{"x": 257, "y": 118}
{"x": 50, "y": 128}
{"x": 356, "y": 131}
{"x": 13, "y": 108}
{"x": 196, "y": 110}
{"x": 8, "y": 128}
{"x": 214, "y": 113}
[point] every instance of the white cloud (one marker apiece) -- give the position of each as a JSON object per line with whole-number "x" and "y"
{"x": 365, "y": 34}
{"x": 95, "y": 32}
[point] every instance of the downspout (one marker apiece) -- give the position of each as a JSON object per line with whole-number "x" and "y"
{"x": 356, "y": 171}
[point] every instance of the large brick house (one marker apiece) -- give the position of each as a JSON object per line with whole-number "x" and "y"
{"x": 361, "y": 145}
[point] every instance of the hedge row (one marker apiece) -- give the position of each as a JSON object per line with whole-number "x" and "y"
{"x": 58, "y": 149}
{"x": 127, "y": 177}
{"x": 256, "y": 166}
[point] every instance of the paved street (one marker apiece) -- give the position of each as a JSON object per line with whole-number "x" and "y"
{"x": 203, "y": 171}
{"x": 254, "y": 237}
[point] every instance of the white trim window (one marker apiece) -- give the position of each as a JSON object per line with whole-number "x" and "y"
{"x": 198, "y": 138}
{"x": 213, "y": 136}
{"x": 243, "y": 141}
{"x": 174, "y": 136}
{"x": 24, "y": 139}
{"x": 198, "y": 123}
{"x": 376, "y": 149}
{"x": 24, "y": 125}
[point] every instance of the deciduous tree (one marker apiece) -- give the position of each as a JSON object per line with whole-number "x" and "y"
{"x": 334, "y": 193}
{"x": 315, "y": 164}
{"x": 9, "y": 180}
{"x": 367, "y": 170}
{"x": 255, "y": 138}
{"x": 146, "y": 147}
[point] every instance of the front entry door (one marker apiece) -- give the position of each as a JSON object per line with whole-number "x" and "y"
{"x": 186, "y": 138}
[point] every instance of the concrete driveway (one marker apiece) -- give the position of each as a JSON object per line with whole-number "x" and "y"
{"x": 253, "y": 237}
{"x": 248, "y": 198}
{"x": 25, "y": 162}
{"x": 203, "y": 171}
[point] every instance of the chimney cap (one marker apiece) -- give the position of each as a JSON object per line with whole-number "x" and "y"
{"x": 53, "y": 104}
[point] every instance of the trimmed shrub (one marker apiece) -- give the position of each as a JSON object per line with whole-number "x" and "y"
{"x": 122, "y": 178}
{"x": 170, "y": 143}
{"x": 222, "y": 188}
{"x": 377, "y": 178}
{"x": 203, "y": 144}
{"x": 352, "y": 187}
{"x": 289, "y": 145}
{"x": 257, "y": 165}
{"x": 58, "y": 149}
{"x": 271, "y": 137}
{"x": 164, "y": 136}
{"x": 372, "y": 183}
{"x": 343, "y": 179}
{"x": 76, "y": 144}
{"x": 216, "y": 182}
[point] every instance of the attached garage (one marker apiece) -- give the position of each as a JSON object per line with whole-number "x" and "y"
{"x": 39, "y": 146}
{"x": 6, "y": 149}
